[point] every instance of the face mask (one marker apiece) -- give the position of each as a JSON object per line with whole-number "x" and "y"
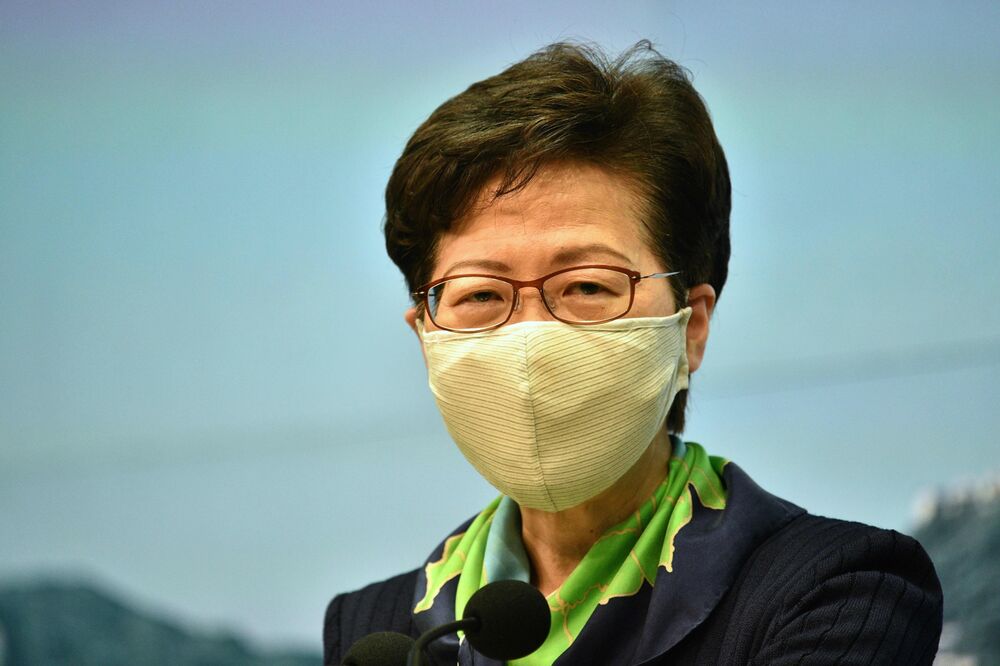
{"x": 553, "y": 414}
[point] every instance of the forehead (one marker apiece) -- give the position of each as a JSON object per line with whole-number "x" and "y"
{"x": 566, "y": 211}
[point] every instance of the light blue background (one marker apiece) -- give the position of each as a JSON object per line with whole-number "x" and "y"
{"x": 209, "y": 398}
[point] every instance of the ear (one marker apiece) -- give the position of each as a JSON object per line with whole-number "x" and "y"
{"x": 411, "y": 320}
{"x": 701, "y": 300}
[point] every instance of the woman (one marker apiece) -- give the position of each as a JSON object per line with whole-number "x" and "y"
{"x": 564, "y": 229}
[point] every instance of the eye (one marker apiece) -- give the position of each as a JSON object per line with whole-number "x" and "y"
{"x": 585, "y": 288}
{"x": 469, "y": 295}
{"x": 482, "y": 296}
{"x": 588, "y": 288}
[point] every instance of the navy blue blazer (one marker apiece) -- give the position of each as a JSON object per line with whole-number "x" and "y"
{"x": 761, "y": 582}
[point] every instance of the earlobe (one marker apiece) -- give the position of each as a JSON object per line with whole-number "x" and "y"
{"x": 701, "y": 300}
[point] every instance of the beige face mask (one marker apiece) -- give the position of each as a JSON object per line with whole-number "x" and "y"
{"x": 553, "y": 414}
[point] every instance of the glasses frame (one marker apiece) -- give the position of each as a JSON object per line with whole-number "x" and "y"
{"x": 423, "y": 293}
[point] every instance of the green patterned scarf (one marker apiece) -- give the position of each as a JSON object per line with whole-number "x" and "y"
{"x": 617, "y": 565}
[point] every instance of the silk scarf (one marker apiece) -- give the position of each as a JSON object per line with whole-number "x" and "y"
{"x": 621, "y": 561}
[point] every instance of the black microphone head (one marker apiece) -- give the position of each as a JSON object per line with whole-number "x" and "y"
{"x": 514, "y": 619}
{"x": 385, "y": 648}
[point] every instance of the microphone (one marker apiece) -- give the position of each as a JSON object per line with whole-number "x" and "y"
{"x": 504, "y": 620}
{"x": 514, "y": 620}
{"x": 384, "y": 648}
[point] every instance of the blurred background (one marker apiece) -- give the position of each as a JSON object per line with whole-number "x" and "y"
{"x": 210, "y": 407}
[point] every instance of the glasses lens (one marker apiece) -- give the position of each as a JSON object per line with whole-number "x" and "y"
{"x": 470, "y": 303}
{"x": 588, "y": 294}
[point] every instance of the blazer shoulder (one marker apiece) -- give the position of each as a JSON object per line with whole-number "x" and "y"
{"x": 812, "y": 548}
{"x": 838, "y": 588}
{"x": 382, "y": 606}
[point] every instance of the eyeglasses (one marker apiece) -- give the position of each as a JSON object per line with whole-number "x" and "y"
{"x": 578, "y": 295}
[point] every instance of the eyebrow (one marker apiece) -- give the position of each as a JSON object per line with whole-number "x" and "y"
{"x": 582, "y": 252}
{"x": 563, "y": 257}
{"x": 487, "y": 264}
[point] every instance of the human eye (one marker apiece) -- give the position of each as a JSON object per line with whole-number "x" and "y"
{"x": 585, "y": 288}
{"x": 483, "y": 296}
{"x": 589, "y": 293}
{"x": 474, "y": 292}
{"x": 592, "y": 284}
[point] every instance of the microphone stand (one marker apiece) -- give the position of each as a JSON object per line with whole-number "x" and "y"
{"x": 414, "y": 658}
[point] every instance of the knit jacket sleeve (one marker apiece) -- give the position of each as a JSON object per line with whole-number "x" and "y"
{"x": 858, "y": 595}
{"x": 384, "y": 606}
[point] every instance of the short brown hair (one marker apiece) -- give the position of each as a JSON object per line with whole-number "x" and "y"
{"x": 637, "y": 116}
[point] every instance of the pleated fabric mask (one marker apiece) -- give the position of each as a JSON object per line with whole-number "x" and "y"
{"x": 553, "y": 414}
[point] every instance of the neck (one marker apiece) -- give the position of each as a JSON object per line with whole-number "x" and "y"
{"x": 556, "y": 541}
